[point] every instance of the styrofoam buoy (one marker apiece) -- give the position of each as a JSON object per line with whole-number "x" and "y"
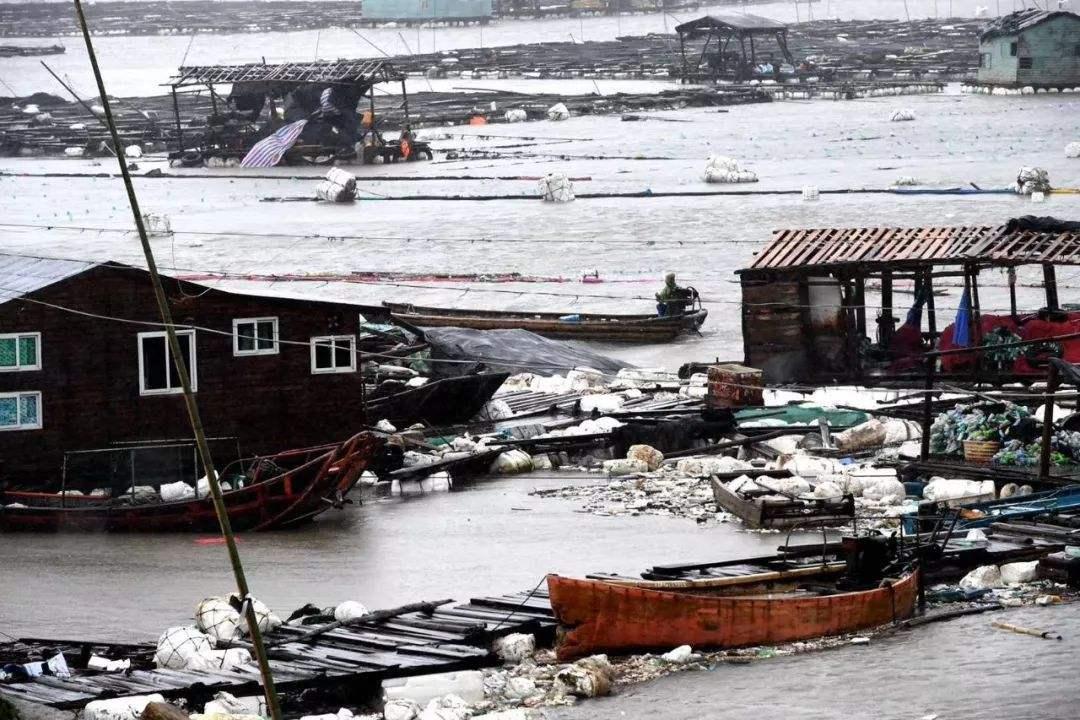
{"x": 810, "y": 193}
{"x": 1038, "y": 197}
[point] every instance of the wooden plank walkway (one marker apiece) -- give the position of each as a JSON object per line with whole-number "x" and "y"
{"x": 451, "y": 638}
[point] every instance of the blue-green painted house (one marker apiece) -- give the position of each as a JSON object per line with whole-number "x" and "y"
{"x": 1031, "y": 47}
{"x": 423, "y": 10}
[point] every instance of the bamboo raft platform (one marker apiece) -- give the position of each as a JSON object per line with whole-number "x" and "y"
{"x": 359, "y": 657}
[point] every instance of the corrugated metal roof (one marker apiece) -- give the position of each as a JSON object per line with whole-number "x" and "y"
{"x": 829, "y": 247}
{"x": 341, "y": 71}
{"x": 1016, "y": 22}
{"x": 20, "y": 275}
{"x": 744, "y": 23}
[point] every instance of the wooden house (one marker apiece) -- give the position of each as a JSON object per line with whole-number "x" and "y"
{"x": 820, "y": 305}
{"x": 87, "y": 384}
{"x": 1036, "y": 48}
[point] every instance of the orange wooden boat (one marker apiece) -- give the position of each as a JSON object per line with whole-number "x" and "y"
{"x": 625, "y": 615}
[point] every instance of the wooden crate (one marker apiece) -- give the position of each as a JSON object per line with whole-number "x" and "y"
{"x": 734, "y": 385}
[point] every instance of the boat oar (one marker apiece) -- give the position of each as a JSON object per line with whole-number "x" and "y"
{"x": 1033, "y": 632}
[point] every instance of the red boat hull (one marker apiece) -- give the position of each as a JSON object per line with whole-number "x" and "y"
{"x": 606, "y": 617}
{"x": 309, "y": 481}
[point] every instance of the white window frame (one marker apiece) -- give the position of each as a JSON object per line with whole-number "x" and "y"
{"x": 18, "y": 407}
{"x": 16, "y": 337}
{"x": 237, "y": 352}
{"x": 192, "y": 369}
{"x": 324, "y": 339}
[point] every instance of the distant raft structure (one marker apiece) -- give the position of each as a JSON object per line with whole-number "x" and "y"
{"x": 289, "y": 112}
{"x": 730, "y": 53}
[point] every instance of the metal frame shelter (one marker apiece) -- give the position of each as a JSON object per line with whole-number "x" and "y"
{"x": 726, "y": 29}
{"x": 277, "y": 81}
{"x": 804, "y": 309}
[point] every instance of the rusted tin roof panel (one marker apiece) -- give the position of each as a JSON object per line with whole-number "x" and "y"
{"x": 831, "y": 247}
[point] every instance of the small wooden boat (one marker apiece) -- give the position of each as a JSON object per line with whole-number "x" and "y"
{"x": 626, "y": 615}
{"x": 580, "y": 326}
{"x": 275, "y": 491}
{"x": 764, "y": 509}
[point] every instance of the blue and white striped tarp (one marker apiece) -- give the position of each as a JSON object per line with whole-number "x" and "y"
{"x": 269, "y": 151}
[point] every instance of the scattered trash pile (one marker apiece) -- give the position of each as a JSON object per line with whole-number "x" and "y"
{"x": 1012, "y": 584}
{"x": 206, "y": 645}
{"x": 722, "y": 169}
{"x": 1032, "y": 180}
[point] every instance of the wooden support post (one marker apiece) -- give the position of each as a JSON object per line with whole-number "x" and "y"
{"x": 927, "y": 413}
{"x": 1048, "y": 422}
{"x": 931, "y": 313}
{"x": 213, "y": 100}
{"x": 886, "y": 321}
{"x": 1050, "y": 281}
{"x": 179, "y": 129}
{"x": 682, "y": 52}
{"x": 404, "y": 101}
{"x": 753, "y": 54}
{"x": 741, "y": 72}
{"x": 1012, "y": 292}
{"x": 860, "y": 305}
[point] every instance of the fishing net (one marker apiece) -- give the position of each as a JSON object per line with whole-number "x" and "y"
{"x": 178, "y": 645}
{"x": 218, "y": 619}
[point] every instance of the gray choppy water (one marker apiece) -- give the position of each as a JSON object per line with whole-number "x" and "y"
{"x": 959, "y": 669}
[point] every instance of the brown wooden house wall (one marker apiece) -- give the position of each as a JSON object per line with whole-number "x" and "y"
{"x": 90, "y": 373}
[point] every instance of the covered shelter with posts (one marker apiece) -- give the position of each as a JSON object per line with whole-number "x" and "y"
{"x": 730, "y": 51}
{"x": 821, "y": 305}
{"x": 251, "y": 102}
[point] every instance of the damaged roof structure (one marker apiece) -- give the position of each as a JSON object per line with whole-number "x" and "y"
{"x": 807, "y": 317}
{"x": 739, "y": 63}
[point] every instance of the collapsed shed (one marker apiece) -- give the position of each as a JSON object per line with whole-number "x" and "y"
{"x": 806, "y": 318}
{"x": 734, "y": 56}
{"x": 253, "y": 101}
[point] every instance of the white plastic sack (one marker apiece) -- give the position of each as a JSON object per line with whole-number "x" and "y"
{"x": 647, "y": 454}
{"x": 400, "y": 709}
{"x": 722, "y": 169}
{"x": 557, "y": 188}
{"x": 898, "y": 431}
{"x": 588, "y": 677}
{"x": 385, "y": 426}
{"x": 176, "y": 492}
{"x": 349, "y": 610}
{"x": 227, "y": 704}
{"x": 1072, "y": 150}
{"x": 219, "y": 659}
{"x": 679, "y": 656}
{"x": 515, "y": 647}
{"x": 125, "y": 708}
{"x": 601, "y": 403}
{"x": 133, "y": 151}
{"x": 516, "y": 115}
{"x": 886, "y": 491}
{"x": 218, "y": 619}
{"x": 497, "y": 410}
{"x": 512, "y": 462}
{"x": 706, "y": 466}
{"x": 902, "y": 115}
{"x": 827, "y": 490}
{"x": 558, "y": 111}
{"x": 986, "y": 577}
{"x": 450, "y": 707}
{"x": 177, "y": 644}
{"x": 519, "y": 688}
{"x": 622, "y": 466}
{"x": 265, "y": 617}
{"x": 942, "y": 490}
{"x": 869, "y": 434}
{"x": 1020, "y": 572}
{"x": 743, "y": 484}
{"x": 332, "y": 192}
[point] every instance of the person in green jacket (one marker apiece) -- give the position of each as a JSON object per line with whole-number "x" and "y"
{"x": 672, "y": 299}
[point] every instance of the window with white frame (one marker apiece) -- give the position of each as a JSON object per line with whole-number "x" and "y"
{"x": 20, "y": 411}
{"x": 333, "y": 354}
{"x": 157, "y": 371}
{"x": 20, "y": 351}
{"x": 255, "y": 336}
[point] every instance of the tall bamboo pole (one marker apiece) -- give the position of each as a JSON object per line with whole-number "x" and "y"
{"x": 185, "y": 382}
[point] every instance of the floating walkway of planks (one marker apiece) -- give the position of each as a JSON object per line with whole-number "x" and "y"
{"x": 358, "y": 657}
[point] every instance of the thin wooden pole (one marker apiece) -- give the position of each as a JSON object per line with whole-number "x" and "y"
{"x": 927, "y": 414}
{"x": 1048, "y": 422}
{"x": 185, "y": 382}
{"x": 1050, "y": 281}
